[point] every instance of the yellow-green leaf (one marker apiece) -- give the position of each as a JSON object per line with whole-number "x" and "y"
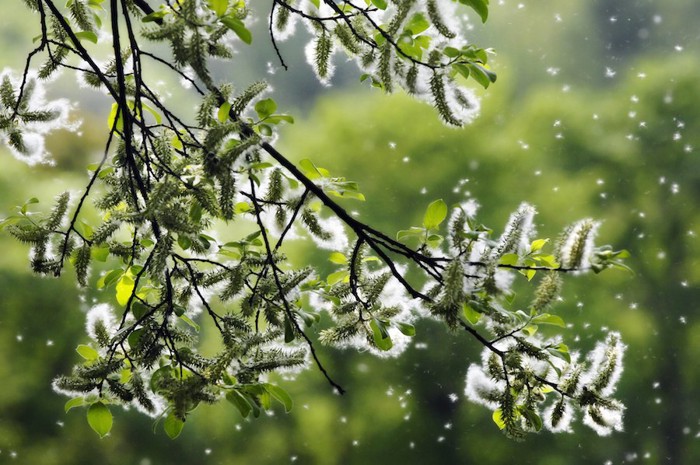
{"x": 87, "y": 352}
{"x": 538, "y": 244}
{"x": 124, "y": 288}
{"x": 338, "y": 258}
{"x": 224, "y": 109}
{"x": 435, "y": 214}
{"x": 498, "y": 418}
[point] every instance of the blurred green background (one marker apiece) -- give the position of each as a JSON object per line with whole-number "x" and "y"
{"x": 596, "y": 113}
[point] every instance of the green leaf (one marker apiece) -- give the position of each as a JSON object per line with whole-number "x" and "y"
{"x": 451, "y": 52}
{"x": 312, "y": 171}
{"x": 237, "y": 26}
{"x": 242, "y": 207}
{"x": 380, "y": 335}
{"x": 218, "y": 6}
{"x": 381, "y": 4}
{"x": 87, "y": 352}
{"x": 76, "y": 402}
{"x": 532, "y": 418}
{"x": 480, "y": 6}
{"x": 124, "y": 289}
{"x": 338, "y": 276}
{"x": 189, "y": 322}
{"x": 173, "y": 426}
{"x": 498, "y": 418}
{"x": 538, "y": 244}
{"x": 481, "y": 75}
{"x": 109, "y": 278}
{"x": 155, "y": 16}
{"x": 239, "y": 401}
{"x": 281, "y": 395}
{"x": 412, "y": 232}
{"x": 100, "y": 254}
{"x": 549, "y": 319}
{"x": 406, "y": 329}
{"x": 417, "y": 24}
{"x": 470, "y": 314}
{"x": 87, "y": 35}
{"x": 99, "y": 418}
{"x": 338, "y": 258}
{"x": 222, "y": 114}
{"x": 274, "y": 119}
{"x": 434, "y": 240}
{"x": 435, "y": 214}
{"x": 111, "y": 123}
{"x": 153, "y": 112}
{"x": 509, "y": 259}
{"x": 265, "y": 108}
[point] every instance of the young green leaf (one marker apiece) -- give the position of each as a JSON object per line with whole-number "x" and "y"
{"x": 480, "y": 6}
{"x": 338, "y": 276}
{"x": 100, "y": 419}
{"x": 237, "y": 26}
{"x": 380, "y": 335}
{"x": 338, "y": 258}
{"x": 549, "y": 319}
{"x": 87, "y": 35}
{"x": 124, "y": 289}
{"x": 281, "y": 395}
{"x": 406, "y": 329}
{"x": 498, "y": 418}
{"x": 435, "y": 214}
{"x": 173, "y": 426}
{"x": 538, "y": 244}
{"x": 470, "y": 314}
{"x": 87, "y": 352}
{"x": 222, "y": 114}
{"x": 265, "y": 108}
{"x": 75, "y": 402}
{"x": 240, "y": 402}
{"x": 218, "y": 6}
